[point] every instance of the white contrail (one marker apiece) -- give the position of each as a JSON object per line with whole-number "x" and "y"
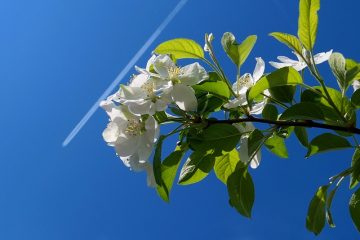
{"x": 124, "y": 72}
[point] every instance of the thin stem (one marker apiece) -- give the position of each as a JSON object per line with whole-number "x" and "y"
{"x": 306, "y": 123}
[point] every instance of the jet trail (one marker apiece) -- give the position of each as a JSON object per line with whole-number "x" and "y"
{"x": 124, "y": 72}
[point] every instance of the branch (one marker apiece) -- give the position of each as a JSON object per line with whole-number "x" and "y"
{"x": 305, "y": 123}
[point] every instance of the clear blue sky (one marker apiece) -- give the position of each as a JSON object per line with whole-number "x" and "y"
{"x": 57, "y": 57}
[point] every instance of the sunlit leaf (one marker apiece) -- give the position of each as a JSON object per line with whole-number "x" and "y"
{"x": 289, "y": 40}
{"x": 315, "y": 220}
{"x": 308, "y": 22}
{"x": 354, "y": 207}
{"x": 180, "y": 48}
{"x": 225, "y": 164}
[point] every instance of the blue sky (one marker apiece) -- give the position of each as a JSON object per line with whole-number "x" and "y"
{"x": 58, "y": 56}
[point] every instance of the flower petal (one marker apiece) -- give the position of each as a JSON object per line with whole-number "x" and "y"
{"x": 128, "y": 146}
{"x": 257, "y": 108}
{"x": 279, "y": 65}
{"x": 287, "y": 60}
{"x": 132, "y": 93}
{"x": 259, "y": 69}
{"x": 162, "y": 64}
{"x": 192, "y": 74}
{"x": 111, "y": 133}
{"x": 255, "y": 162}
{"x": 356, "y": 85}
{"x": 322, "y": 57}
{"x": 184, "y": 97}
{"x": 140, "y": 107}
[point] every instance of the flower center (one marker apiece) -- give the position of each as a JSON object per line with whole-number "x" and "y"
{"x": 148, "y": 87}
{"x": 174, "y": 73}
{"x": 244, "y": 81}
{"x": 134, "y": 127}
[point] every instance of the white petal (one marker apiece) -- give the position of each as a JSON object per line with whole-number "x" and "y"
{"x": 152, "y": 130}
{"x": 139, "y": 80}
{"x": 243, "y": 151}
{"x": 257, "y": 108}
{"x": 132, "y": 93}
{"x": 144, "y": 150}
{"x": 162, "y": 64}
{"x": 259, "y": 69}
{"x": 299, "y": 66}
{"x": 192, "y": 74}
{"x": 322, "y": 57}
{"x": 184, "y": 97}
{"x": 128, "y": 146}
{"x": 160, "y": 105}
{"x": 139, "y": 107}
{"x": 150, "y": 62}
{"x": 236, "y": 102}
{"x": 111, "y": 133}
{"x": 287, "y": 60}
{"x": 279, "y": 65}
{"x": 150, "y": 175}
{"x": 255, "y": 162}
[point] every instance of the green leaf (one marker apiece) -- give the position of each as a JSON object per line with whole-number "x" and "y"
{"x": 277, "y": 146}
{"x": 238, "y": 53}
{"x": 355, "y": 98}
{"x": 354, "y": 207}
{"x": 355, "y": 164}
{"x": 329, "y": 201}
{"x": 315, "y": 220}
{"x": 303, "y": 111}
{"x": 326, "y": 142}
{"x": 337, "y": 65}
{"x": 209, "y": 103}
{"x": 157, "y": 161}
{"x": 281, "y": 77}
{"x": 197, "y": 167}
{"x": 218, "y": 137}
{"x": 352, "y": 68}
{"x": 255, "y": 141}
{"x": 302, "y": 135}
{"x": 342, "y": 103}
{"x": 270, "y": 112}
{"x": 214, "y": 85}
{"x": 241, "y": 191}
{"x": 353, "y": 74}
{"x": 283, "y": 94}
{"x": 225, "y": 164}
{"x": 180, "y": 48}
{"x": 169, "y": 168}
{"x": 289, "y": 40}
{"x": 161, "y": 117}
{"x": 308, "y": 22}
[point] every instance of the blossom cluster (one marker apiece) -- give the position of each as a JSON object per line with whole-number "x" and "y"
{"x": 133, "y": 130}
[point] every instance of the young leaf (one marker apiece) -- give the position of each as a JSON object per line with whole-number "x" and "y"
{"x": 326, "y": 142}
{"x": 238, "y": 53}
{"x": 337, "y": 65}
{"x": 303, "y": 111}
{"x": 354, "y": 207}
{"x": 289, "y": 40}
{"x": 315, "y": 219}
{"x": 302, "y": 135}
{"x": 355, "y": 164}
{"x": 180, "y": 48}
{"x": 197, "y": 167}
{"x": 277, "y": 146}
{"x": 214, "y": 86}
{"x": 169, "y": 168}
{"x": 270, "y": 112}
{"x": 308, "y": 22}
{"x": 352, "y": 68}
{"x": 225, "y": 164}
{"x": 281, "y": 77}
{"x": 241, "y": 191}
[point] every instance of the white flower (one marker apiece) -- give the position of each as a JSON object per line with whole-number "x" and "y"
{"x": 245, "y": 129}
{"x": 241, "y": 86}
{"x": 300, "y": 64}
{"x": 143, "y": 94}
{"x": 180, "y": 80}
{"x": 132, "y": 137}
